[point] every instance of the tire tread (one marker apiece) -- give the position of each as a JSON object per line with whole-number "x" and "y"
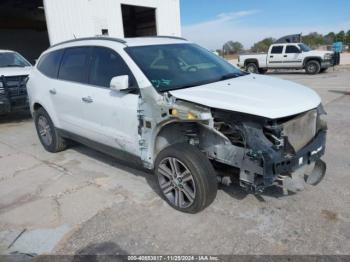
{"x": 59, "y": 143}
{"x": 202, "y": 166}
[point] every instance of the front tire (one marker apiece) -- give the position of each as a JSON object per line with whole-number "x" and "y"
{"x": 47, "y": 133}
{"x": 186, "y": 178}
{"x": 252, "y": 68}
{"x": 312, "y": 67}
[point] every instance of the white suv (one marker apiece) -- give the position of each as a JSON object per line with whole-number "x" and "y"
{"x": 182, "y": 111}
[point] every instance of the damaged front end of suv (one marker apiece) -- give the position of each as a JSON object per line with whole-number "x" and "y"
{"x": 201, "y": 121}
{"x": 264, "y": 152}
{"x": 268, "y": 152}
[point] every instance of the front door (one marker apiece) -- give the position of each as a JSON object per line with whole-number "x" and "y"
{"x": 292, "y": 57}
{"x": 275, "y": 57}
{"x": 111, "y": 116}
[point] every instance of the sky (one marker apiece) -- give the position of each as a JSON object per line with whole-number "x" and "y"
{"x": 211, "y": 23}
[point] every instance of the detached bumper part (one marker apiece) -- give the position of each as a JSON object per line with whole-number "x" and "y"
{"x": 317, "y": 173}
{"x": 272, "y": 167}
{"x": 310, "y": 174}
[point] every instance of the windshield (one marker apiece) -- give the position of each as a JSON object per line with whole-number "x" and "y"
{"x": 304, "y": 48}
{"x": 12, "y": 59}
{"x": 177, "y": 66}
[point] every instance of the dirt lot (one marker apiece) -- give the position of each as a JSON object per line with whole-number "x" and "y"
{"x": 81, "y": 201}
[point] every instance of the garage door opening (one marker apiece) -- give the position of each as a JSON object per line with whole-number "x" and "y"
{"x": 139, "y": 21}
{"x": 23, "y": 27}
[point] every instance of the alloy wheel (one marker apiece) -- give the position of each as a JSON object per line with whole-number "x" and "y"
{"x": 312, "y": 67}
{"x": 45, "y": 130}
{"x": 251, "y": 69}
{"x": 176, "y": 182}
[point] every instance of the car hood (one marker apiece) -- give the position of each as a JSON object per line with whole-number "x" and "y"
{"x": 253, "y": 94}
{"x": 15, "y": 71}
{"x": 318, "y": 53}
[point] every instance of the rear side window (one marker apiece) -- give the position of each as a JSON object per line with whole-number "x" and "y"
{"x": 107, "y": 64}
{"x": 292, "y": 49}
{"x": 50, "y": 63}
{"x": 74, "y": 66}
{"x": 277, "y": 49}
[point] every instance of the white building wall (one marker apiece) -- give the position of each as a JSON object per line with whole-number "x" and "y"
{"x": 67, "y": 19}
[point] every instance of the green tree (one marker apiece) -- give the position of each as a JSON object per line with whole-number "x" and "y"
{"x": 232, "y": 47}
{"x": 341, "y": 36}
{"x": 314, "y": 39}
{"x": 263, "y": 45}
{"x": 329, "y": 38}
{"x": 348, "y": 37}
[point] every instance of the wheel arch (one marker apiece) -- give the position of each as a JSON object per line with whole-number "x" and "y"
{"x": 37, "y": 105}
{"x": 251, "y": 60}
{"x": 312, "y": 58}
{"x": 169, "y": 134}
{"x": 193, "y": 133}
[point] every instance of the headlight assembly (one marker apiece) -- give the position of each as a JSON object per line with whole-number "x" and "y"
{"x": 321, "y": 118}
{"x": 327, "y": 56}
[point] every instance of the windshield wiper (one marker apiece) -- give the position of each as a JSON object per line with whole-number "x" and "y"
{"x": 12, "y": 66}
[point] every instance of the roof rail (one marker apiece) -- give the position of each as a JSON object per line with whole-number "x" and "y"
{"x": 160, "y": 36}
{"x": 122, "y": 41}
{"x": 171, "y": 37}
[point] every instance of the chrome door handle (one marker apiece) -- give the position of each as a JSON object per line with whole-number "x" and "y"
{"x": 52, "y": 91}
{"x": 87, "y": 99}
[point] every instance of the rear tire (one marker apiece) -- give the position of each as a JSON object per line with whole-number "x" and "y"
{"x": 252, "y": 68}
{"x": 47, "y": 133}
{"x": 312, "y": 67}
{"x": 186, "y": 178}
{"x": 262, "y": 71}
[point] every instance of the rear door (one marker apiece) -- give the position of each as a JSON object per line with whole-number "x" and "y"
{"x": 292, "y": 57}
{"x": 275, "y": 57}
{"x": 69, "y": 93}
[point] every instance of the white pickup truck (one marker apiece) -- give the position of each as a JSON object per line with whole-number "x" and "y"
{"x": 288, "y": 56}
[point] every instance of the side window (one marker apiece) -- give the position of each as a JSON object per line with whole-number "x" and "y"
{"x": 107, "y": 64}
{"x": 74, "y": 66}
{"x": 277, "y": 49}
{"x": 49, "y": 63}
{"x": 292, "y": 49}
